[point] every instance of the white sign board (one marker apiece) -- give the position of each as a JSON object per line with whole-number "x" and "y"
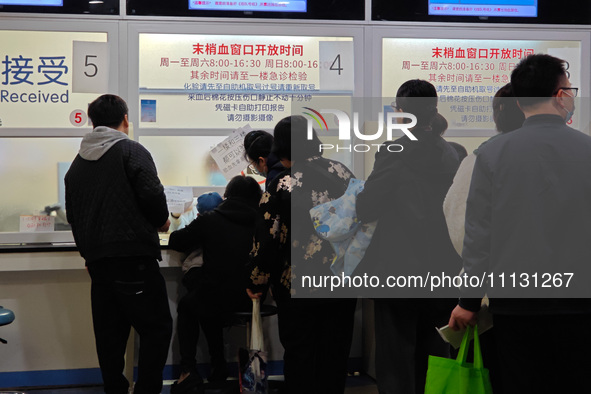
{"x": 37, "y": 77}
{"x": 467, "y": 73}
{"x": 229, "y": 154}
{"x": 237, "y": 79}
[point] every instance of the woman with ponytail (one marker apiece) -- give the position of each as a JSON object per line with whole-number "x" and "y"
{"x": 405, "y": 194}
{"x": 257, "y": 150}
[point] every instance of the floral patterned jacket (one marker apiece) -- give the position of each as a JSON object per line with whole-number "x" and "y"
{"x": 287, "y": 246}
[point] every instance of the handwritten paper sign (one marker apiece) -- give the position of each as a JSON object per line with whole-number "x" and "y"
{"x": 229, "y": 154}
{"x": 36, "y": 223}
{"x": 178, "y": 198}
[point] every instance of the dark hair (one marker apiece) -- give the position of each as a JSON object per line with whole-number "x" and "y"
{"x": 291, "y": 139}
{"x": 245, "y": 188}
{"x": 107, "y": 110}
{"x": 257, "y": 144}
{"x": 536, "y": 78}
{"x": 419, "y": 98}
{"x": 460, "y": 150}
{"x": 506, "y": 113}
{"x": 439, "y": 124}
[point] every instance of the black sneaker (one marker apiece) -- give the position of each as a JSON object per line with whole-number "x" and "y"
{"x": 192, "y": 384}
{"x": 219, "y": 373}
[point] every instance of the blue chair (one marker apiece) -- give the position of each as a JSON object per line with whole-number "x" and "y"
{"x": 6, "y": 317}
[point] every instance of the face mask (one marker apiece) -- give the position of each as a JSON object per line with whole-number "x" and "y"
{"x": 569, "y": 114}
{"x": 255, "y": 171}
{"x": 260, "y": 173}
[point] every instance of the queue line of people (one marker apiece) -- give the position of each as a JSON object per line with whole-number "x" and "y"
{"x": 419, "y": 198}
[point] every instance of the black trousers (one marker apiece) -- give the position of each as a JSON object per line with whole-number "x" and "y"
{"x": 125, "y": 293}
{"x": 316, "y": 335}
{"x": 543, "y": 353}
{"x": 211, "y": 308}
{"x": 193, "y": 312}
{"x": 405, "y": 337}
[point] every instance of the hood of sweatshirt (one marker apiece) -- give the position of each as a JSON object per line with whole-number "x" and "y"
{"x": 237, "y": 211}
{"x": 98, "y": 142}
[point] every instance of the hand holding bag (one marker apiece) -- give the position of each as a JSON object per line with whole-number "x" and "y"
{"x": 449, "y": 376}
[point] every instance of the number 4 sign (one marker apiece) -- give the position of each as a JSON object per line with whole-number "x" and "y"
{"x": 336, "y": 66}
{"x": 90, "y": 67}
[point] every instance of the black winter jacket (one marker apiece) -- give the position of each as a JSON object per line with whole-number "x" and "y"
{"x": 116, "y": 203}
{"x": 274, "y": 168}
{"x": 226, "y": 236}
{"x": 405, "y": 194}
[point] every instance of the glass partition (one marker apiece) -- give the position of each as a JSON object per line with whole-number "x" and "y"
{"x": 31, "y": 175}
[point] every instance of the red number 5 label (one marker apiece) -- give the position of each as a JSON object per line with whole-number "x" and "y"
{"x": 78, "y": 118}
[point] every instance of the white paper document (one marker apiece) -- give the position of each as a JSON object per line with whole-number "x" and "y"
{"x": 454, "y": 338}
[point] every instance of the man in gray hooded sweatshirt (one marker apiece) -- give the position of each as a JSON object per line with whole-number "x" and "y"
{"x": 116, "y": 206}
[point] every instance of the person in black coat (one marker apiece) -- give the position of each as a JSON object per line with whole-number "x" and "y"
{"x": 405, "y": 193}
{"x": 216, "y": 289}
{"x": 315, "y": 332}
{"x": 116, "y": 206}
{"x": 257, "y": 150}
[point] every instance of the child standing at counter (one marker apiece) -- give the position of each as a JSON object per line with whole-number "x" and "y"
{"x": 216, "y": 289}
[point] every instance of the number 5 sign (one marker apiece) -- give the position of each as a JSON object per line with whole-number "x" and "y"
{"x": 90, "y": 67}
{"x": 78, "y": 118}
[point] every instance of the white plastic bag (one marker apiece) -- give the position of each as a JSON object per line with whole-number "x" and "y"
{"x": 253, "y": 361}
{"x": 256, "y": 334}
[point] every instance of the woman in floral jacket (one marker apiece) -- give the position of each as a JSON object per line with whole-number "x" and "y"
{"x": 316, "y": 332}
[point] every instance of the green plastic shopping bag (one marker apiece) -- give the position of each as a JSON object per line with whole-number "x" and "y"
{"x": 449, "y": 376}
